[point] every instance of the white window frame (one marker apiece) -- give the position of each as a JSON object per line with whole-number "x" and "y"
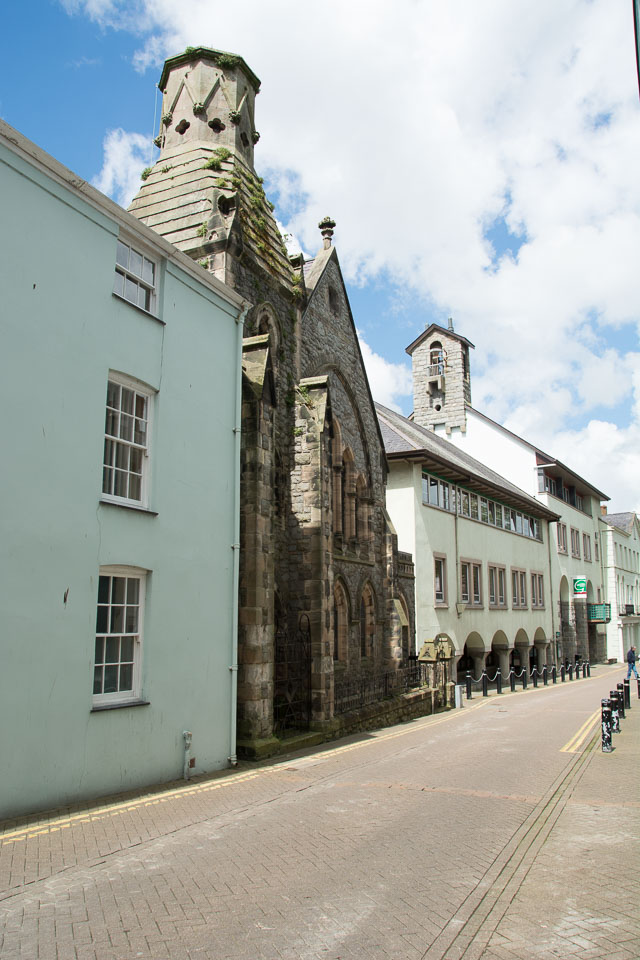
{"x": 518, "y": 588}
{"x": 575, "y": 543}
{"x": 498, "y": 574}
{"x": 537, "y": 590}
{"x": 472, "y": 569}
{"x": 136, "y": 275}
{"x": 114, "y": 443}
{"x": 440, "y": 597}
{"x": 586, "y": 547}
{"x": 113, "y": 625}
{"x": 561, "y": 533}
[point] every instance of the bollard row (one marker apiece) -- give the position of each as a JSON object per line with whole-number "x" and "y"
{"x": 536, "y": 675}
{"x": 613, "y": 710}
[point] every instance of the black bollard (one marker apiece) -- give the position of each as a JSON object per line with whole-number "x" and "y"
{"x": 584, "y": 670}
{"x": 588, "y": 668}
{"x": 615, "y": 711}
{"x": 627, "y": 693}
{"x": 498, "y": 681}
{"x": 485, "y": 684}
{"x": 606, "y": 726}
{"x": 570, "y": 671}
{"x": 468, "y": 684}
{"x": 512, "y": 681}
{"x": 524, "y": 678}
{"x": 534, "y": 676}
{"x": 578, "y": 670}
{"x": 562, "y": 672}
{"x": 545, "y": 677}
{"x": 638, "y": 682}
{"x": 554, "y": 674}
{"x": 620, "y": 687}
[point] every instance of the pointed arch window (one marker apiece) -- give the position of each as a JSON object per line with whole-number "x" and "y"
{"x": 340, "y": 623}
{"x": 367, "y": 622}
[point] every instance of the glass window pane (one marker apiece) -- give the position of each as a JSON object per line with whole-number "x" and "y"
{"x": 111, "y": 423}
{"x": 135, "y": 460}
{"x": 113, "y": 394}
{"x": 103, "y": 589}
{"x": 112, "y": 649}
{"x": 131, "y": 290}
{"x": 118, "y": 589}
{"x": 433, "y": 490}
{"x": 111, "y": 679}
{"x": 126, "y": 650}
{"x": 99, "y": 658}
{"x": 122, "y": 456}
{"x": 135, "y": 487}
{"x": 97, "y": 680}
{"x": 131, "y": 625}
{"x": 148, "y": 272}
{"x": 118, "y": 284}
{"x": 133, "y": 590}
{"x": 102, "y": 619}
{"x": 144, "y": 298}
{"x": 135, "y": 263}
{"x": 120, "y": 483}
{"x": 122, "y": 254}
{"x": 498, "y": 515}
{"x": 474, "y": 507}
{"x": 127, "y": 400}
{"x": 140, "y": 432}
{"x": 126, "y": 677}
{"x": 126, "y": 427}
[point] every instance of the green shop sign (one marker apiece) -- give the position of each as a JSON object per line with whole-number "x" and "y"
{"x": 579, "y": 586}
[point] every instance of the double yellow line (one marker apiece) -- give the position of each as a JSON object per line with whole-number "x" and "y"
{"x": 577, "y": 741}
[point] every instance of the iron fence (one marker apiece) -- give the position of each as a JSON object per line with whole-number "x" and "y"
{"x": 353, "y": 692}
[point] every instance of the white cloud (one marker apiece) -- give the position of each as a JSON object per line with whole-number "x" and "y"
{"x": 125, "y": 157}
{"x": 388, "y": 381}
{"x": 415, "y": 125}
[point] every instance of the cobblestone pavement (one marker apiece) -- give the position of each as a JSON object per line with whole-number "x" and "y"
{"x": 497, "y": 831}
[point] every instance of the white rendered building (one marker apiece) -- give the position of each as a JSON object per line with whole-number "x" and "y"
{"x": 481, "y": 551}
{"x": 620, "y": 540}
{"x": 442, "y": 404}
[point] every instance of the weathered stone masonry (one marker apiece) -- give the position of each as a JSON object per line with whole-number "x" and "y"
{"x": 314, "y": 533}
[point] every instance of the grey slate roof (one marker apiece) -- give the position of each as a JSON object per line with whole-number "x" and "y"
{"x": 623, "y": 521}
{"x": 405, "y": 439}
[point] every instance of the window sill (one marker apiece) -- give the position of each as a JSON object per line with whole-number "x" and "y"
{"x": 128, "y": 506}
{"x": 134, "y": 306}
{"x": 441, "y": 605}
{"x": 120, "y": 705}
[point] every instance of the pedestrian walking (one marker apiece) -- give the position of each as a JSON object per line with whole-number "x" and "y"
{"x": 631, "y": 660}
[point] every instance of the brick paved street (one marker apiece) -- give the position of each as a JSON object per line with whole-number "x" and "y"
{"x": 469, "y": 834}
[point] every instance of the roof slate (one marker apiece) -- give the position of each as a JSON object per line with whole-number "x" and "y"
{"x": 402, "y": 436}
{"x": 623, "y": 521}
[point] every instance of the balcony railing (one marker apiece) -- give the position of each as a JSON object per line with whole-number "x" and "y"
{"x": 598, "y": 612}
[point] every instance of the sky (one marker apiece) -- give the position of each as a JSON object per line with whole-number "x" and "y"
{"x": 481, "y": 161}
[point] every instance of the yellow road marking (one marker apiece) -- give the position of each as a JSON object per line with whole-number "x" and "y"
{"x": 112, "y": 810}
{"x": 578, "y": 739}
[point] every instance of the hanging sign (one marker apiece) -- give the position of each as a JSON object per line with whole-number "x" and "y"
{"x": 580, "y": 588}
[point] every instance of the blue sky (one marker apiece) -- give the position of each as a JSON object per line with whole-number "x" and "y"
{"x": 480, "y": 164}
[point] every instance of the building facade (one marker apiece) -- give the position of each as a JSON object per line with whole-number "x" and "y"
{"x": 120, "y": 496}
{"x": 620, "y": 552}
{"x": 442, "y": 403}
{"x": 326, "y": 604}
{"x": 481, "y": 549}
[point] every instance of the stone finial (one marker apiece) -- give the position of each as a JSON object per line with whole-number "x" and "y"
{"x": 326, "y": 229}
{"x": 450, "y": 324}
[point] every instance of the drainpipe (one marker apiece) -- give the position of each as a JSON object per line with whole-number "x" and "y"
{"x": 554, "y": 642}
{"x": 235, "y": 546}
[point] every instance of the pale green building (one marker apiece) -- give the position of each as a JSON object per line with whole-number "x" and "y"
{"x": 120, "y": 386}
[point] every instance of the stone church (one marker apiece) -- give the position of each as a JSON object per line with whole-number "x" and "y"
{"x": 326, "y": 606}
